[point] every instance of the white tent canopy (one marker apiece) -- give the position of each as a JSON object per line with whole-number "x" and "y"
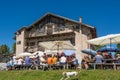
{"x": 108, "y": 39}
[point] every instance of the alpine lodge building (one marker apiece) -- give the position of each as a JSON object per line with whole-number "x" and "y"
{"x": 52, "y": 27}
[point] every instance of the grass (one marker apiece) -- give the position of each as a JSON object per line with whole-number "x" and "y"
{"x": 57, "y": 74}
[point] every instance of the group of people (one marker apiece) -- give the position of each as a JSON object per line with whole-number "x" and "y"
{"x": 60, "y": 59}
{"x": 23, "y": 62}
{"x": 100, "y": 57}
{"x": 45, "y": 60}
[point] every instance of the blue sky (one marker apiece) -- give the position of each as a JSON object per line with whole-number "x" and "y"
{"x": 102, "y": 14}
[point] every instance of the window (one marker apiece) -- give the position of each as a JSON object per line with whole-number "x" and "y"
{"x": 19, "y": 42}
{"x": 49, "y": 29}
{"x": 77, "y": 27}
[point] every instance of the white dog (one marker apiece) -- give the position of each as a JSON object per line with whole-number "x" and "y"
{"x": 67, "y": 75}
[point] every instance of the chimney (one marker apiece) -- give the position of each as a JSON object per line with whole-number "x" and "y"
{"x": 80, "y": 20}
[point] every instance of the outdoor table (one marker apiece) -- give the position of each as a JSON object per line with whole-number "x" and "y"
{"x": 112, "y": 60}
{"x": 113, "y": 64}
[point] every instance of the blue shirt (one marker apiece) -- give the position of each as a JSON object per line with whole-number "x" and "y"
{"x": 27, "y": 61}
{"x": 98, "y": 59}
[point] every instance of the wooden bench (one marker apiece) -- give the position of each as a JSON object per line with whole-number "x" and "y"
{"x": 104, "y": 65}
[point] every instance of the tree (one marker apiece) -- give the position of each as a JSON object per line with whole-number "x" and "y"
{"x": 14, "y": 48}
{"x": 118, "y": 45}
{"x": 4, "y": 49}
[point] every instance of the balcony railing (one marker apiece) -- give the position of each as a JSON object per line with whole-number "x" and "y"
{"x": 56, "y": 30}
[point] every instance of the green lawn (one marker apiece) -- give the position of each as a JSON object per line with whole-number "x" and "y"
{"x": 57, "y": 74}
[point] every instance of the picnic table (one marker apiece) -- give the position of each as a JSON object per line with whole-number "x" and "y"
{"x": 104, "y": 65}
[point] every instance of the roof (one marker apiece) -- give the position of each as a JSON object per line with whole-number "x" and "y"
{"x": 51, "y": 14}
{"x": 21, "y": 29}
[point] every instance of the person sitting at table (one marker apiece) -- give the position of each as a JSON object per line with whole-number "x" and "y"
{"x": 106, "y": 57}
{"x": 118, "y": 58}
{"x": 14, "y": 59}
{"x": 43, "y": 63}
{"x": 42, "y": 59}
{"x": 54, "y": 59}
{"x": 98, "y": 58}
{"x": 44, "y": 56}
{"x": 74, "y": 63}
{"x": 9, "y": 65}
{"x": 85, "y": 62}
{"x": 20, "y": 63}
{"x": 63, "y": 60}
{"x": 27, "y": 62}
{"x": 54, "y": 62}
{"x": 68, "y": 59}
{"x": 49, "y": 61}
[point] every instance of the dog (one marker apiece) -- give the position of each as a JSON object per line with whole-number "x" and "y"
{"x": 67, "y": 75}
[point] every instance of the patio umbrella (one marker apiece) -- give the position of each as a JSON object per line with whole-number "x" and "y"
{"x": 50, "y": 51}
{"x": 109, "y": 49}
{"x": 40, "y": 53}
{"x": 57, "y": 45}
{"x": 109, "y": 39}
{"x": 24, "y": 54}
{"x": 89, "y": 51}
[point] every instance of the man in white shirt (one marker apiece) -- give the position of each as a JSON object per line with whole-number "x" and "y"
{"x": 63, "y": 61}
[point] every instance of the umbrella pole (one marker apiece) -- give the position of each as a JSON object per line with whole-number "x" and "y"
{"x": 58, "y": 48}
{"x": 110, "y": 42}
{"x": 110, "y": 46}
{"x": 58, "y": 52}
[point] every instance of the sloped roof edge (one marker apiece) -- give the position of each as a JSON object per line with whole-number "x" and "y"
{"x": 25, "y": 27}
{"x": 59, "y": 17}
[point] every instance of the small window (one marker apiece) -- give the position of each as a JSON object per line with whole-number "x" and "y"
{"x": 49, "y": 29}
{"x": 19, "y": 33}
{"x": 77, "y": 27}
{"x": 19, "y": 42}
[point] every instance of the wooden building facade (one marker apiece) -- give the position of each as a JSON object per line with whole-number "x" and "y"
{"x": 53, "y": 27}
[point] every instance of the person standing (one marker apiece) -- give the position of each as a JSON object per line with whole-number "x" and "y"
{"x": 14, "y": 59}
{"x": 37, "y": 61}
